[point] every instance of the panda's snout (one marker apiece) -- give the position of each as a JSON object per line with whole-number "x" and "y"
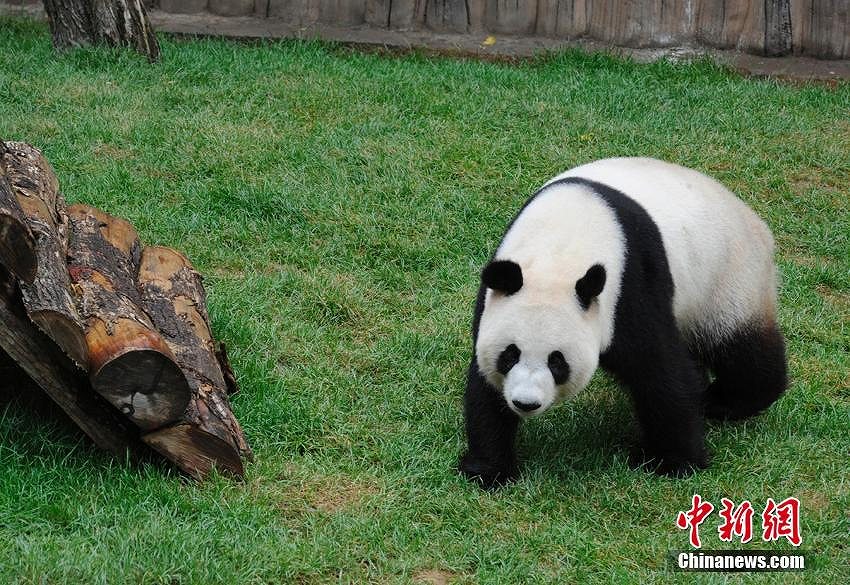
{"x": 528, "y": 391}
{"x": 528, "y": 407}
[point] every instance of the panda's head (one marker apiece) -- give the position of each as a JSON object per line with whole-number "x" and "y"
{"x": 538, "y": 342}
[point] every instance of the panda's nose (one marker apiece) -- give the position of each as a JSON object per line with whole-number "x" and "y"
{"x": 526, "y": 406}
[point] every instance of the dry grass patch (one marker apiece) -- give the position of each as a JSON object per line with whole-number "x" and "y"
{"x": 435, "y": 577}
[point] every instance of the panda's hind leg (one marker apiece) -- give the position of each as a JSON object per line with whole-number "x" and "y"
{"x": 750, "y": 372}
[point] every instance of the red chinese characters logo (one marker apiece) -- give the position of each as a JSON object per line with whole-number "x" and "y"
{"x": 736, "y": 521}
{"x": 782, "y": 519}
{"x": 694, "y": 517}
{"x": 778, "y": 520}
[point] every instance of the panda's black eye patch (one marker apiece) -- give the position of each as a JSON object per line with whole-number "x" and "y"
{"x": 559, "y": 367}
{"x": 508, "y": 359}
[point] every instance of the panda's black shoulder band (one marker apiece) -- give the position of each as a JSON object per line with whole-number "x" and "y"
{"x": 502, "y": 275}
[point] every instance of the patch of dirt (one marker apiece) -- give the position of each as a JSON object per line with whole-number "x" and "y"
{"x": 801, "y": 259}
{"x": 435, "y": 577}
{"x": 811, "y": 500}
{"x": 111, "y": 151}
{"x": 839, "y": 300}
{"x": 293, "y": 491}
{"x": 832, "y": 378}
{"x": 813, "y": 178}
{"x": 334, "y": 494}
{"x": 226, "y": 272}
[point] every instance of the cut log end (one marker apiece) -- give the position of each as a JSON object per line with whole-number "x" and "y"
{"x": 116, "y": 231}
{"x": 65, "y": 332}
{"x": 195, "y": 451}
{"x": 145, "y": 385}
{"x": 17, "y": 249}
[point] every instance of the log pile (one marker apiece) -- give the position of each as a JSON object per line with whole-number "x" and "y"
{"x": 116, "y": 334}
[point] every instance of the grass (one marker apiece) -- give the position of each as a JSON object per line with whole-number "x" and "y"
{"x": 340, "y": 206}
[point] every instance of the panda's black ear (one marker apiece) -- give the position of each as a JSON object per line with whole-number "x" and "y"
{"x": 502, "y": 275}
{"x": 590, "y": 285}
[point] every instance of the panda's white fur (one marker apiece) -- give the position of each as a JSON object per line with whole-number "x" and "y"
{"x": 549, "y": 240}
{"x": 719, "y": 253}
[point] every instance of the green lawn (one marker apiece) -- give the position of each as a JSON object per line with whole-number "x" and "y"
{"x": 340, "y": 206}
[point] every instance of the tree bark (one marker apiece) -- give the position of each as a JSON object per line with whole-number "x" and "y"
{"x": 17, "y": 243}
{"x": 56, "y": 374}
{"x": 47, "y": 298}
{"x": 75, "y": 23}
{"x": 208, "y": 435}
{"x": 129, "y": 363}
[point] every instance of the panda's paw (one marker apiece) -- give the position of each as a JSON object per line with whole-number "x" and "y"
{"x": 486, "y": 473}
{"x": 669, "y": 465}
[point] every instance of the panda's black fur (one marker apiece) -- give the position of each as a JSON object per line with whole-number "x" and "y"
{"x": 667, "y": 380}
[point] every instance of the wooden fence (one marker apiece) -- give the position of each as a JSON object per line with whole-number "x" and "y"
{"x": 816, "y": 28}
{"x": 813, "y": 28}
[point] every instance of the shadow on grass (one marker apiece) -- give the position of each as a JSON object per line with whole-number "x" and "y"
{"x": 38, "y": 432}
{"x": 591, "y": 435}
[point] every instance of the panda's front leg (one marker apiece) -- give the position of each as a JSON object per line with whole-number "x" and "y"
{"x": 668, "y": 402}
{"x": 490, "y": 431}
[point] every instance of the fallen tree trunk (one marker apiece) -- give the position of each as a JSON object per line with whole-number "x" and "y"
{"x": 17, "y": 243}
{"x": 57, "y": 375}
{"x": 47, "y": 297}
{"x": 129, "y": 362}
{"x": 208, "y": 434}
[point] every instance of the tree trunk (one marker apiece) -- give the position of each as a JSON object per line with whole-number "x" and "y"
{"x": 129, "y": 363}
{"x": 65, "y": 383}
{"x": 173, "y": 296}
{"x": 75, "y": 23}
{"x": 47, "y": 298}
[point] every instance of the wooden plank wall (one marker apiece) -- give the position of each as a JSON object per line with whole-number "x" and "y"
{"x": 818, "y": 28}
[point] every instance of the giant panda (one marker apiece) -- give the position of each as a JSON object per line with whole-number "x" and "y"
{"x": 655, "y": 272}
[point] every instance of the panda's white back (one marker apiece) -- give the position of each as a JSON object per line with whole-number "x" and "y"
{"x": 720, "y": 252}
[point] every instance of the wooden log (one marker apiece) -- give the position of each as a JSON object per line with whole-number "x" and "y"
{"x": 195, "y": 451}
{"x": 209, "y": 435}
{"x": 48, "y": 297}
{"x": 129, "y": 363}
{"x": 57, "y": 375}
{"x": 17, "y": 243}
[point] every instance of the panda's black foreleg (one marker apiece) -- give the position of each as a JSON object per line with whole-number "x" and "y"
{"x": 490, "y": 431}
{"x": 667, "y": 394}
